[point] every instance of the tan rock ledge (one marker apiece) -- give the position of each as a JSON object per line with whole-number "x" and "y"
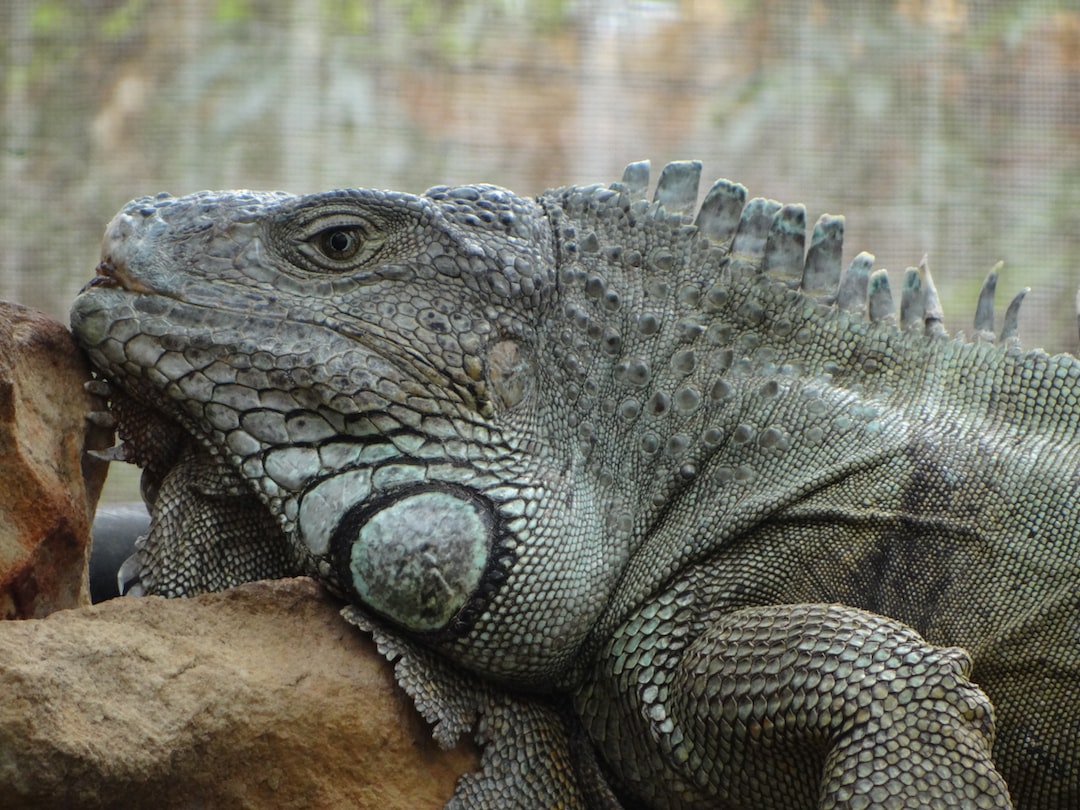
{"x": 257, "y": 697}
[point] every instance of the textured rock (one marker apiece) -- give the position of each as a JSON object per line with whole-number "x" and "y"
{"x": 261, "y": 696}
{"x": 47, "y": 493}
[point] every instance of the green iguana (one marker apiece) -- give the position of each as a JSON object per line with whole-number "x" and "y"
{"x": 664, "y": 507}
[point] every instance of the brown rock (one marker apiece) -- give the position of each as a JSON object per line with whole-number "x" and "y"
{"x": 257, "y": 697}
{"x": 46, "y": 503}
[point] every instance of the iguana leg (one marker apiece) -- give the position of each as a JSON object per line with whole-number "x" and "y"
{"x": 763, "y": 705}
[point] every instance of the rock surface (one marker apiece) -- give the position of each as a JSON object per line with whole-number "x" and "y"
{"x": 257, "y": 697}
{"x": 47, "y": 496}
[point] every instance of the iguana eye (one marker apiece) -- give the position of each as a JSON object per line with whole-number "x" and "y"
{"x": 339, "y": 244}
{"x": 339, "y": 236}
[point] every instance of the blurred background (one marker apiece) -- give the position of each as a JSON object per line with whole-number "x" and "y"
{"x": 943, "y": 127}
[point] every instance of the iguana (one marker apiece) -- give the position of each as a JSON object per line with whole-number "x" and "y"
{"x": 662, "y": 505}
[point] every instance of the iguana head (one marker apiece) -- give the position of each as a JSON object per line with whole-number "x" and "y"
{"x": 379, "y": 368}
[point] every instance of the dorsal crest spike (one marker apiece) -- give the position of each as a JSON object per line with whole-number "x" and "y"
{"x": 635, "y": 179}
{"x": 754, "y": 226}
{"x": 984, "y": 309}
{"x": 677, "y": 189}
{"x": 1012, "y": 316}
{"x": 879, "y": 297}
{"x": 854, "y": 284}
{"x": 933, "y": 315}
{"x": 920, "y": 307}
{"x": 821, "y": 270}
{"x": 786, "y": 244}
{"x": 719, "y": 216}
{"x": 912, "y": 300}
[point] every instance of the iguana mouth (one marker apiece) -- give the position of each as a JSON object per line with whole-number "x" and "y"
{"x": 109, "y": 274}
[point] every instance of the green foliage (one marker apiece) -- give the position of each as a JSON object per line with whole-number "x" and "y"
{"x": 348, "y": 16}
{"x": 49, "y": 16}
{"x": 232, "y": 11}
{"x": 123, "y": 20}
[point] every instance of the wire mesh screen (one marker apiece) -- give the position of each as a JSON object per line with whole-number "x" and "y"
{"x": 942, "y": 127}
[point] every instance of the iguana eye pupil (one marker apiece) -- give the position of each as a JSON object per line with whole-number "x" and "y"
{"x": 339, "y": 244}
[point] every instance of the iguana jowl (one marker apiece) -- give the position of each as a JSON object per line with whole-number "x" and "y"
{"x": 671, "y": 510}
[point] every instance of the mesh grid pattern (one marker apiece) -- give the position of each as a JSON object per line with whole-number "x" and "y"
{"x": 943, "y": 127}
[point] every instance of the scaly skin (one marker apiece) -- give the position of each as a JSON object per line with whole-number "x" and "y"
{"x": 671, "y": 514}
